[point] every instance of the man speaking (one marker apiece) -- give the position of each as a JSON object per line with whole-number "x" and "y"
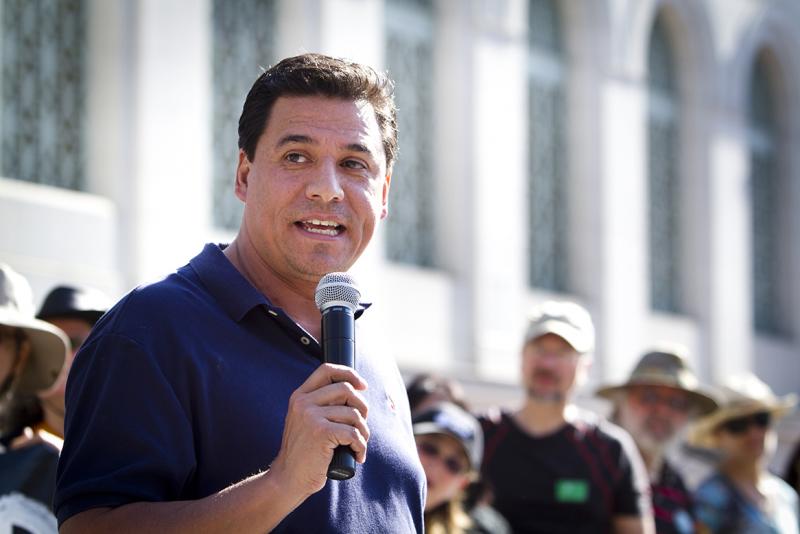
{"x": 201, "y": 402}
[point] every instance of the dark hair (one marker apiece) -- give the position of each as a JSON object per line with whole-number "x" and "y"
{"x": 317, "y": 74}
{"x": 431, "y": 387}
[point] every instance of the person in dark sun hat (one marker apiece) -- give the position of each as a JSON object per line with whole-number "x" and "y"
{"x": 75, "y": 310}
{"x": 742, "y": 495}
{"x": 654, "y": 405}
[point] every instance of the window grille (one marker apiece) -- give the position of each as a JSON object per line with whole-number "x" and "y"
{"x": 243, "y": 45}
{"x": 664, "y": 175}
{"x": 768, "y": 297}
{"x": 409, "y": 58}
{"x": 42, "y": 91}
{"x": 548, "y": 207}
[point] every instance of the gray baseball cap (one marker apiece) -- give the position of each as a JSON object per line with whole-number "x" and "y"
{"x": 567, "y": 320}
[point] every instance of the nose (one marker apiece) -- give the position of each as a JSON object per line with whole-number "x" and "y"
{"x": 323, "y": 183}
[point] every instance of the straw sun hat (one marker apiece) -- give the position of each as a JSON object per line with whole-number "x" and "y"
{"x": 741, "y": 395}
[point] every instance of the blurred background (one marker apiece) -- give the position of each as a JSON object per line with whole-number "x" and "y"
{"x": 641, "y": 157}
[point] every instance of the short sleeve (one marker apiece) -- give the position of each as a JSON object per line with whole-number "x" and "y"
{"x": 712, "y": 504}
{"x": 128, "y": 438}
{"x": 632, "y": 491}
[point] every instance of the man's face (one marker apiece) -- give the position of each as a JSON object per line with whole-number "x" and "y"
{"x": 550, "y": 367}
{"x": 316, "y": 188}
{"x": 654, "y": 415}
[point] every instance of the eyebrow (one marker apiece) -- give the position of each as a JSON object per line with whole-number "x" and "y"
{"x": 297, "y": 138}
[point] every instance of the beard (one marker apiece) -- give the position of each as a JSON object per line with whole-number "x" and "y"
{"x": 549, "y": 392}
{"x": 652, "y": 434}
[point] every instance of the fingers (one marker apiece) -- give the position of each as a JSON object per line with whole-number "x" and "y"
{"x": 329, "y": 373}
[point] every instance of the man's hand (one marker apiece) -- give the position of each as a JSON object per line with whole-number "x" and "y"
{"x": 326, "y": 411}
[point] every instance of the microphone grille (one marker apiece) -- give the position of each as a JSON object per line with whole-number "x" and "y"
{"x": 337, "y": 289}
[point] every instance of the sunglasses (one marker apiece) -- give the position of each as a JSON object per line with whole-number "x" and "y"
{"x": 677, "y": 403}
{"x": 740, "y": 425}
{"x": 453, "y": 464}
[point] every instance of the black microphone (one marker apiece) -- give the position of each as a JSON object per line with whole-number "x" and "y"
{"x": 337, "y": 297}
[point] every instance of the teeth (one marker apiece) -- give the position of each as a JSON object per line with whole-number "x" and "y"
{"x": 316, "y": 226}
{"x": 323, "y": 232}
{"x": 317, "y": 222}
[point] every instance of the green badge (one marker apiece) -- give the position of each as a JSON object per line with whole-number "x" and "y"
{"x": 572, "y": 490}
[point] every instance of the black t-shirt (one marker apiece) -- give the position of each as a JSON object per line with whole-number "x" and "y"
{"x": 672, "y": 503}
{"x": 573, "y": 480}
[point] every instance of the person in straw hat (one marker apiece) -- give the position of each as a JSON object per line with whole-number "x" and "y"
{"x": 654, "y": 405}
{"x": 32, "y": 353}
{"x": 742, "y": 496}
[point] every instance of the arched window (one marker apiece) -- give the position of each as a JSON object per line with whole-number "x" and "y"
{"x": 42, "y": 91}
{"x": 769, "y": 257}
{"x": 243, "y": 44}
{"x": 663, "y": 164}
{"x": 409, "y": 59}
{"x": 547, "y": 187}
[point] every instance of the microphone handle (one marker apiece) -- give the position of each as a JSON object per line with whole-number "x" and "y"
{"x": 338, "y": 346}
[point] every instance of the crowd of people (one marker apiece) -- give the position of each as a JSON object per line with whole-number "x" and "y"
{"x": 206, "y": 402}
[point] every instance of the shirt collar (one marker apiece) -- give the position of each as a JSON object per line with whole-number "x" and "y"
{"x": 235, "y": 294}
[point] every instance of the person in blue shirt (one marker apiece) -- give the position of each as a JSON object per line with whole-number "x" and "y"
{"x": 201, "y": 402}
{"x": 741, "y": 495}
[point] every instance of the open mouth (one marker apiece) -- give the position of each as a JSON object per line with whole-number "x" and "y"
{"x": 316, "y": 226}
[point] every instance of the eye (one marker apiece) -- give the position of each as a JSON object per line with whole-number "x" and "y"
{"x": 354, "y": 164}
{"x": 296, "y": 157}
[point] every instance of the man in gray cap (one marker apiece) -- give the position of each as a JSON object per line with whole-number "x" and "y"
{"x": 654, "y": 405}
{"x": 552, "y": 467}
{"x": 32, "y": 353}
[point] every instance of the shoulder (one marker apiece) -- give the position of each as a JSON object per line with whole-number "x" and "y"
{"x": 492, "y": 419}
{"x": 601, "y": 429}
{"x": 713, "y": 491}
{"x": 781, "y": 490}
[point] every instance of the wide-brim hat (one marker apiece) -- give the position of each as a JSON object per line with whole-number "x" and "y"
{"x": 665, "y": 367}
{"x": 448, "y": 419}
{"x": 741, "y": 395}
{"x": 567, "y": 320}
{"x": 49, "y": 345}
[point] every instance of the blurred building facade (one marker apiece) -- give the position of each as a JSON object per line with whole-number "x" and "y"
{"x": 641, "y": 157}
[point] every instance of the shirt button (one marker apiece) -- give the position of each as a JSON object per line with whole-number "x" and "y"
{"x": 304, "y": 340}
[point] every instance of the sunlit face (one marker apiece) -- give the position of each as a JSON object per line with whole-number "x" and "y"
{"x": 550, "y": 368}
{"x": 316, "y": 188}
{"x": 77, "y": 330}
{"x": 745, "y": 439}
{"x": 654, "y": 415}
{"x": 446, "y": 467}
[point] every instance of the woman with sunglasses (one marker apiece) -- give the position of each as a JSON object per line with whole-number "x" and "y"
{"x": 450, "y": 446}
{"x": 742, "y": 496}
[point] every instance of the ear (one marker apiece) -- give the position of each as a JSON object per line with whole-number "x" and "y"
{"x": 385, "y": 196}
{"x": 242, "y": 176}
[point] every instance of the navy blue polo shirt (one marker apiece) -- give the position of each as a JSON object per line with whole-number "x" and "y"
{"x": 182, "y": 389}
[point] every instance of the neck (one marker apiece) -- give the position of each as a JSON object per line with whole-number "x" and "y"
{"x": 53, "y": 418}
{"x": 539, "y": 417}
{"x": 652, "y": 462}
{"x": 295, "y": 297}
{"x": 748, "y": 473}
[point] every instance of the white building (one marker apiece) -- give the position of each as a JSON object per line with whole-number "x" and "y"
{"x": 639, "y": 156}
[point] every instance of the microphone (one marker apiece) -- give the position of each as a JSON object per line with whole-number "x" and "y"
{"x": 337, "y": 298}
